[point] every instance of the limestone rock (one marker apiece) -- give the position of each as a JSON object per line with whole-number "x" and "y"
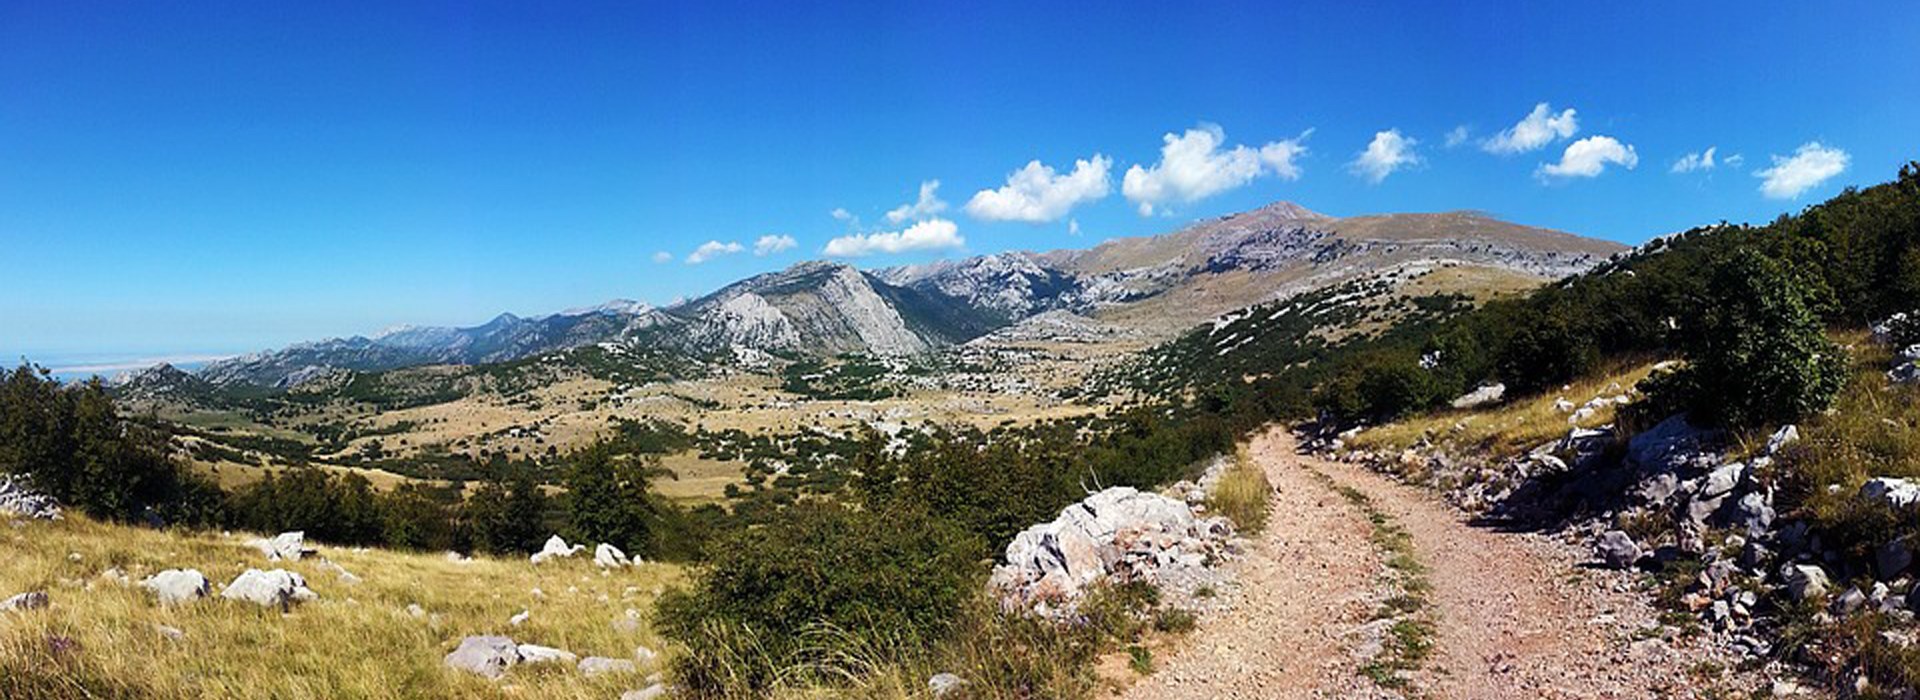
{"x": 276, "y": 588}
{"x": 31, "y": 600}
{"x": 607, "y": 556}
{"x": 536, "y": 654}
{"x": 1617, "y": 549}
{"x": 598, "y": 665}
{"x": 286, "y": 545}
{"x": 1805, "y": 581}
{"x": 944, "y": 684}
{"x": 1893, "y": 491}
{"x": 555, "y": 548}
{"x": 17, "y": 498}
{"x": 652, "y": 692}
{"x": 177, "y": 586}
{"x": 487, "y": 656}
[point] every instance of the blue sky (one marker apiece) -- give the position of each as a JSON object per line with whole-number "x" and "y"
{"x": 203, "y": 178}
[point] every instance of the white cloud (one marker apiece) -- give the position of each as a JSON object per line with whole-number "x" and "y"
{"x": 1037, "y": 194}
{"x": 1589, "y": 157}
{"x": 1810, "y": 165}
{"x": 1539, "y": 128}
{"x": 1457, "y": 136}
{"x": 663, "y": 257}
{"x": 768, "y": 245}
{"x": 1193, "y": 167}
{"x": 1388, "y": 152}
{"x": 1073, "y": 227}
{"x": 840, "y": 214}
{"x": 927, "y": 205}
{"x": 932, "y": 234}
{"x": 713, "y": 249}
{"x": 1734, "y": 161}
{"x": 1696, "y": 161}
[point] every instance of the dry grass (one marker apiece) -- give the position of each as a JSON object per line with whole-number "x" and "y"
{"x": 1512, "y": 427}
{"x": 356, "y": 641}
{"x": 1243, "y": 494}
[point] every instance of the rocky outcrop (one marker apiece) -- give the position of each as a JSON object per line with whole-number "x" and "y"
{"x": 1119, "y": 535}
{"x": 555, "y": 548}
{"x": 19, "y": 499}
{"x": 607, "y": 556}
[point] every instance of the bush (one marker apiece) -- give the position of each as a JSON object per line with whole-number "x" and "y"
{"x": 813, "y": 587}
{"x": 1758, "y": 354}
{"x": 506, "y": 516}
{"x": 607, "y": 499}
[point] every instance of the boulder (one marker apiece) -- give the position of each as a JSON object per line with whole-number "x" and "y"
{"x": 277, "y": 588}
{"x": 652, "y": 692}
{"x": 1617, "y": 549}
{"x": 1754, "y": 512}
{"x": 599, "y": 665}
{"x": 944, "y": 684}
{"x": 1805, "y": 581}
{"x": 487, "y": 656}
{"x": 290, "y": 546}
{"x": 178, "y": 586}
{"x": 1491, "y": 393}
{"x": 536, "y": 654}
{"x": 1786, "y": 435}
{"x": 607, "y": 556}
{"x": 556, "y": 548}
{"x": 1892, "y": 559}
{"x": 31, "y": 600}
{"x": 1849, "y": 602}
{"x": 17, "y": 498}
{"x": 1893, "y": 491}
{"x": 1721, "y": 481}
{"x": 1117, "y": 533}
{"x": 1674, "y": 444}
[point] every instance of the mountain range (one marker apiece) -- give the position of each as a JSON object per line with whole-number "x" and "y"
{"x": 1157, "y": 284}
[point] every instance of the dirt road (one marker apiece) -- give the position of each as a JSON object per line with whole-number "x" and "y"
{"x": 1516, "y": 615}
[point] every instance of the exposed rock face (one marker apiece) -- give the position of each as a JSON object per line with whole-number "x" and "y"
{"x": 177, "y": 587}
{"x": 19, "y": 499}
{"x": 556, "y": 548}
{"x": 489, "y": 657}
{"x": 1119, "y": 534}
{"x": 277, "y": 588}
{"x": 290, "y": 546}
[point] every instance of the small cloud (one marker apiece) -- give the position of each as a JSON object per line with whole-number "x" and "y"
{"x": 1695, "y": 161}
{"x": 1539, "y": 128}
{"x": 713, "y": 249}
{"x": 768, "y": 245}
{"x": 1457, "y": 136}
{"x": 1037, "y": 194}
{"x": 1388, "y": 152}
{"x": 1193, "y": 166}
{"x": 932, "y": 234}
{"x": 1734, "y": 161}
{"x": 1589, "y": 157}
{"x": 1810, "y": 165}
{"x": 663, "y": 257}
{"x": 926, "y": 206}
{"x": 1073, "y": 227}
{"x": 840, "y": 214}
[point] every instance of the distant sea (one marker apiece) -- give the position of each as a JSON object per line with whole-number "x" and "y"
{"x": 78, "y": 366}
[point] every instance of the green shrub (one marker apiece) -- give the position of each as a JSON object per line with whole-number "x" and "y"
{"x": 818, "y": 587}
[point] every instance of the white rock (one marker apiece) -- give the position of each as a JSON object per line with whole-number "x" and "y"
{"x": 1786, "y": 435}
{"x": 1893, "y": 491}
{"x": 607, "y": 556}
{"x": 484, "y": 656}
{"x": 177, "y": 586}
{"x": 652, "y": 692}
{"x": 536, "y": 654}
{"x": 520, "y": 618}
{"x": 555, "y": 548}
{"x": 286, "y": 545}
{"x": 276, "y": 588}
{"x": 944, "y": 684}
{"x": 598, "y": 665}
{"x": 645, "y": 655}
{"x": 31, "y": 600}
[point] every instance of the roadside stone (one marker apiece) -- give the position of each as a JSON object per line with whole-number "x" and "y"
{"x": 486, "y": 656}
{"x": 1617, "y": 549}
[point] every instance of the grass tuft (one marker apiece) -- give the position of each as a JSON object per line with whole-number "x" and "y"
{"x": 1243, "y": 494}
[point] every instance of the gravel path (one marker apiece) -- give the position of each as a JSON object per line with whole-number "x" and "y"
{"x": 1518, "y": 616}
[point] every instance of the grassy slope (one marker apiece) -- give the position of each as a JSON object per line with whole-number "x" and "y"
{"x": 356, "y": 641}
{"x": 1508, "y": 428}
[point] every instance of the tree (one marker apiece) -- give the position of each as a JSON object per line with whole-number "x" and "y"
{"x": 507, "y": 516}
{"x": 607, "y": 498}
{"x": 1757, "y": 354}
